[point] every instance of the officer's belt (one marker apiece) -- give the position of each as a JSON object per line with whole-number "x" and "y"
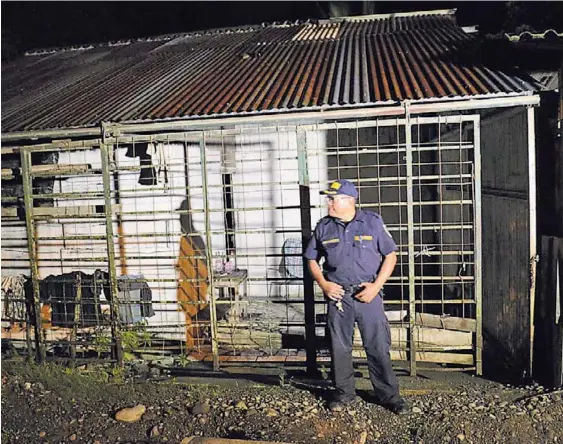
{"x": 351, "y": 288}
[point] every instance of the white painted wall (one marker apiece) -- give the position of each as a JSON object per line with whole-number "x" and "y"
{"x": 260, "y": 160}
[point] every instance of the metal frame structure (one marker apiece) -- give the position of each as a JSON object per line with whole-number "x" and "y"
{"x": 197, "y": 133}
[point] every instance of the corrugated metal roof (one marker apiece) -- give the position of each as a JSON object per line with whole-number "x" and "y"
{"x": 279, "y": 67}
{"x": 527, "y": 36}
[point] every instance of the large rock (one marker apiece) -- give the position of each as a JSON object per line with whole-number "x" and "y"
{"x": 132, "y": 414}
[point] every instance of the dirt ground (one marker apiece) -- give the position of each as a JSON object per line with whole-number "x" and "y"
{"x": 54, "y": 404}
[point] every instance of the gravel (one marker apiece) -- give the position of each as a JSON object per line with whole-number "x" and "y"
{"x": 55, "y": 406}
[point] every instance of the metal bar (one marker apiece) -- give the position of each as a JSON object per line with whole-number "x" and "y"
{"x": 478, "y": 247}
{"x": 208, "y": 252}
{"x": 117, "y": 349}
{"x": 77, "y": 304}
{"x": 55, "y": 145}
{"x": 287, "y": 207}
{"x": 533, "y": 255}
{"x": 410, "y": 237}
{"x": 32, "y": 247}
{"x": 308, "y": 285}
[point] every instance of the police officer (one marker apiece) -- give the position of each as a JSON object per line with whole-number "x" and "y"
{"x": 359, "y": 256}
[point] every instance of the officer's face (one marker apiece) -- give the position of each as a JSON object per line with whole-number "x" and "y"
{"x": 340, "y": 206}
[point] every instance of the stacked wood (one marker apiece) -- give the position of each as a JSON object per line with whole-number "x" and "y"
{"x": 237, "y": 337}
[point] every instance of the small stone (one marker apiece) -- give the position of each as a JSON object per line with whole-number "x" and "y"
{"x": 154, "y": 432}
{"x": 202, "y": 420}
{"x": 416, "y": 410}
{"x": 461, "y": 437}
{"x": 72, "y": 437}
{"x": 241, "y": 405}
{"x": 130, "y": 414}
{"x": 27, "y": 386}
{"x": 42, "y": 434}
{"x": 271, "y": 412}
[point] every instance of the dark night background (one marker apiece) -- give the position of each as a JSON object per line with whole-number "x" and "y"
{"x": 28, "y": 25}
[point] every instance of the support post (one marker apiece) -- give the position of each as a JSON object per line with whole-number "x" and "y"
{"x": 208, "y": 254}
{"x": 77, "y": 304}
{"x": 478, "y": 245}
{"x": 117, "y": 349}
{"x": 308, "y": 286}
{"x": 410, "y": 237}
{"x": 35, "y": 313}
{"x": 532, "y": 205}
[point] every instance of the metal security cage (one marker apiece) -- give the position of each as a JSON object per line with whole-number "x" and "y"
{"x": 190, "y": 243}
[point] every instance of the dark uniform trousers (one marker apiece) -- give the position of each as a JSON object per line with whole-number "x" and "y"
{"x": 376, "y": 338}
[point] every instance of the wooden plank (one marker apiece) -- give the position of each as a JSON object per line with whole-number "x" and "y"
{"x": 446, "y": 322}
{"x": 7, "y": 174}
{"x": 436, "y": 357}
{"x": 9, "y": 212}
{"x": 49, "y": 170}
{"x": 59, "y": 169}
{"x": 425, "y": 337}
{"x": 396, "y": 315}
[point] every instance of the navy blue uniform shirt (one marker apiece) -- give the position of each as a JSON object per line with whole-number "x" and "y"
{"x": 353, "y": 252}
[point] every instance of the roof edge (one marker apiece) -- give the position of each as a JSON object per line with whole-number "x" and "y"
{"x": 527, "y": 98}
{"x": 230, "y": 29}
{"x": 359, "y": 18}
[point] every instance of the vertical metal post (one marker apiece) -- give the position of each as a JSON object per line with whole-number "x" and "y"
{"x": 478, "y": 245}
{"x": 208, "y": 255}
{"x": 532, "y": 206}
{"x": 410, "y": 237}
{"x": 77, "y": 304}
{"x": 35, "y": 314}
{"x": 308, "y": 287}
{"x": 117, "y": 350}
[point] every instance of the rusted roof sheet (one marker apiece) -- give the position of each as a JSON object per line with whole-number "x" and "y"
{"x": 267, "y": 68}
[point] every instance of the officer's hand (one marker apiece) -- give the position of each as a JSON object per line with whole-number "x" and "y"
{"x": 333, "y": 291}
{"x": 369, "y": 292}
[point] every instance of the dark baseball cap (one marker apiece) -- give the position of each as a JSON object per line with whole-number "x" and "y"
{"x": 341, "y": 187}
